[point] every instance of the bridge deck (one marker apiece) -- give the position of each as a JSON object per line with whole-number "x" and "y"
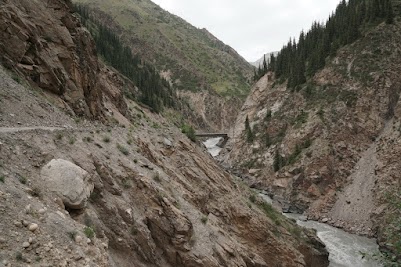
{"x": 224, "y": 135}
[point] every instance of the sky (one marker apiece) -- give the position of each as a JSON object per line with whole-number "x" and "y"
{"x": 252, "y": 27}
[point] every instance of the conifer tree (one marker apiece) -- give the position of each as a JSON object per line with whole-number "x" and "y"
{"x": 248, "y": 131}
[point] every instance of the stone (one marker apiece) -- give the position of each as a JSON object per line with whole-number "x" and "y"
{"x": 25, "y": 244}
{"x": 167, "y": 142}
{"x": 78, "y": 239}
{"x": 33, "y": 227}
{"x": 325, "y": 220}
{"x": 25, "y": 223}
{"x": 72, "y": 183}
{"x": 18, "y": 224}
{"x": 42, "y": 211}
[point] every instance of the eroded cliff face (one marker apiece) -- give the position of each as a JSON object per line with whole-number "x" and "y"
{"x": 331, "y": 148}
{"x": 153, "y": 198}
{"x": 46, "y": 43}
{"x": 211, "y": 112}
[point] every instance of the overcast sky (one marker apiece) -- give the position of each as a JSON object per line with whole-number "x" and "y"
{"x": 252, "y": 27}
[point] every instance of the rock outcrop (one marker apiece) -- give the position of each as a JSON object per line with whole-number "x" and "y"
{"x": 53, "y": 52}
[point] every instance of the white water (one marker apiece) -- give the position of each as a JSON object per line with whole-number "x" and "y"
{"x": 211, "y": 145}
{"x": 344, "y": 248}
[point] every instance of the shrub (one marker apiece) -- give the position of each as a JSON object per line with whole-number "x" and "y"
{"x": 2, "y": 178}
{"x": 22, "y": 179}
{"x": 106, "y": 139}
{"x": 72, "y": 234}
{"x": 189, "y": 132}
{"x": 123, "y": 149}
{"x": 252, "y": 198}
{"x": 270, "y": 212}
{"x": 204, "y": 219}
{"x": 89, "y": 232}
{"x": 18, "y": 256}
{"x": 156, "y": 177}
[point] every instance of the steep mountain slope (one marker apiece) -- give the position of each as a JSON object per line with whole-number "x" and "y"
{"x": 192, "y": 59}
{"x": 125, "y": 190}
{"x": 331, "y": 147}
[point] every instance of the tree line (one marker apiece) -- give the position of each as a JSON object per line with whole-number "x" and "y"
{"x": 155, "y": 91}
{"x": 300, "y": 60}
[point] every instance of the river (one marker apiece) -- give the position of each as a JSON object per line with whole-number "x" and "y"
{"x": 211, "y": 145}
{"x": 344, "y": 248}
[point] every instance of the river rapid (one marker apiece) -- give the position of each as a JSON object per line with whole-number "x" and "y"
{"x": 345, "y": 249}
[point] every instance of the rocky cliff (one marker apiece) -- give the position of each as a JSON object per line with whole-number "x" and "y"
{"x": 331, "y": 148}
{"x": 127, "y": 189}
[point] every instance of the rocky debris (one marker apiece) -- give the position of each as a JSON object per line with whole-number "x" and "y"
{"x": 69, "y": 181}
{"x": 33, "y": 227}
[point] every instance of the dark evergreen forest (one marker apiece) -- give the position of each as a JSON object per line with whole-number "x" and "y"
{"x": 298, "y": 61}
{"x": 155, "y": 91}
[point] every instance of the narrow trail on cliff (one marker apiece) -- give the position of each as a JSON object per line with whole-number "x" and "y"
{"x": 27, "y": 129}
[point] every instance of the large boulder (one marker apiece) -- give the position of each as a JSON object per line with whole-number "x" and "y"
{"x": 69, "y": 181}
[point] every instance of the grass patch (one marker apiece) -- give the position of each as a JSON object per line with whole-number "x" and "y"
{"x": 36, "y": 192}
{"x": 18, "y": 256}
{"x": 126, "y": 184}
{"x": 270, "y": 212}
{"x": 87, "y": 139}
{"x": 71, "y": 141}
{"x": 123, "y": 149}
{"x": 72, "y": 234}
{"x": 252, "y": 198}
{"x": 59, "y": 136}
{"x": 22, "y": 179}
{"x": 89, "y": 232}
{"x": 189, "y": 131}
{"x": 156, "y": 177}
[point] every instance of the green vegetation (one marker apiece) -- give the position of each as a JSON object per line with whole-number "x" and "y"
{"x": 204, "y": 219}
{"x": 106, "y": 139}
{"x": 89, "y": 232}
{"x": 189, "y": 131}
{"x": 156, "y": 92}
{"x": 18, "y": 256}
{"x": 71, "y": 140}
{"x": 2, "y": 178}
{"x": 248, "y": 131}
{"x": 299, "y": 60}
{"x": 87, "y": 139}
{"x": 193, "y": 58}
{"x": 252, "y": 198}
{"x": 280, "y": 161}
{"x": 22, "y": 179}
{"x": 156, "y": 177}
{"x": 123, "y": 149}
{"x": 72, "y": 234}
{"x": 392, "y": 254}
{"x": 270, "y": 212}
